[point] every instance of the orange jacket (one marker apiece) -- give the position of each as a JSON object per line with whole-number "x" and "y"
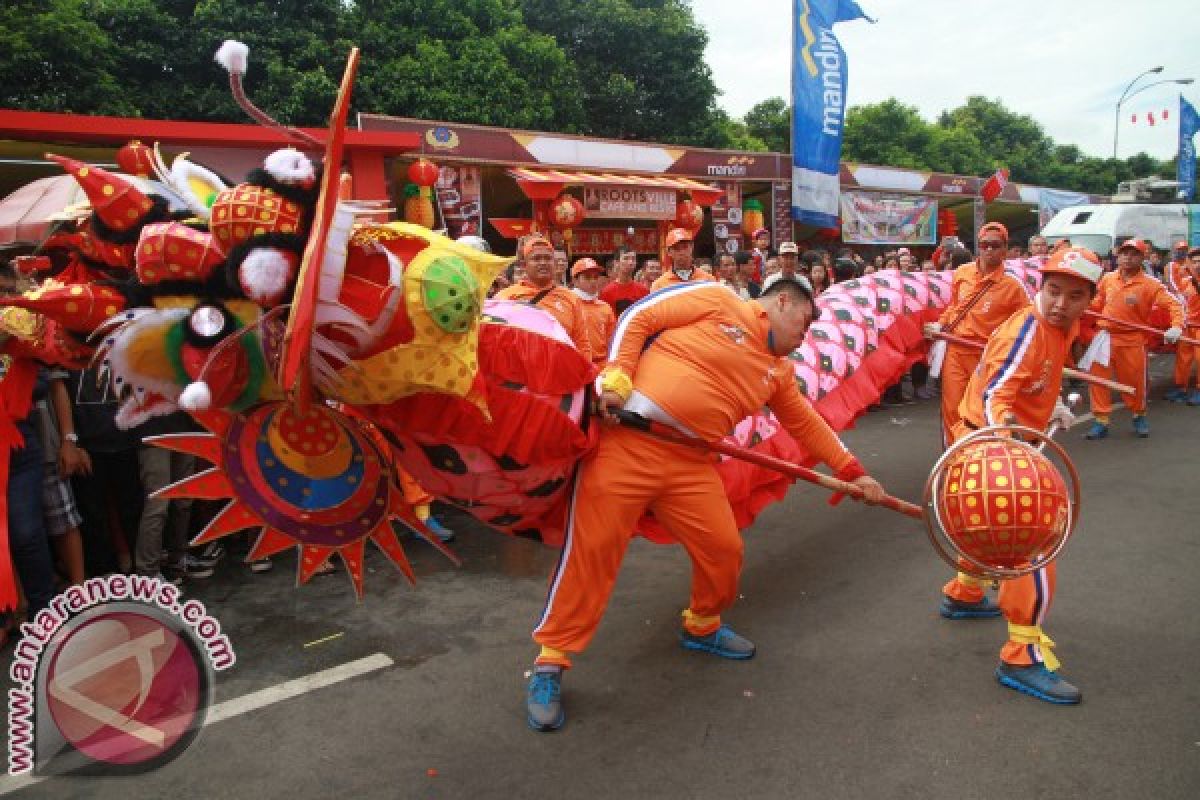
{"x": 1003, "y": 296}
{"x": 1175, "y": 276}
{"x": 600, "y": 322}
{"x": 560, "y": 303}
{"x": 1191, "y": 299}
{"x": 669, "y": 278}
{"x": 1132, "y": 300}
{"x": 1020, "y": 373}
{"x": 700, "y": 353}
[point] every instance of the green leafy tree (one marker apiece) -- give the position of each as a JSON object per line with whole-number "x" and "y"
{"x": 771, "y": 122}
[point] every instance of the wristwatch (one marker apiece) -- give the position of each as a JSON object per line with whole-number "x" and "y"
{"x": 73, "y": 438}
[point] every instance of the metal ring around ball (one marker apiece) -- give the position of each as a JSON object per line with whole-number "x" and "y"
{"x": 946, "y": 547}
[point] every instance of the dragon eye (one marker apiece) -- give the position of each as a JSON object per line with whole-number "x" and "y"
{"x": 206, "y": 321}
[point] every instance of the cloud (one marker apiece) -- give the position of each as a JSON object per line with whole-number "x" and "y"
{"x": 1063, "y": 63}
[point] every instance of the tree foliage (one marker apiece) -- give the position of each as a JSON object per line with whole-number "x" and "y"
{"x": 976, "y": 139}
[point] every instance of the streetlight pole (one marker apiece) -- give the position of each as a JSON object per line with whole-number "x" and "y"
{"x": 1124, "y": 94}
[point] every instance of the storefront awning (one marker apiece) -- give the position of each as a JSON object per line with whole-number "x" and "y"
{"x": 539, "y": 183}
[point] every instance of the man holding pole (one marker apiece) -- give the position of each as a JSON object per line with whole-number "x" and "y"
{"x": 1018, "y": 382}
{"x": 1123, "y": 302}
{"x": 982, "y": 296}
{"x": 698, "y": 359}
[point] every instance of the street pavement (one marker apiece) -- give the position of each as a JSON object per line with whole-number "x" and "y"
{"x": 859, "y": 689}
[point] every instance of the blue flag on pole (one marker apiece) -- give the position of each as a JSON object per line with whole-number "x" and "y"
{"x": 818, "y": 107}
{"x": 1189, "y": 123}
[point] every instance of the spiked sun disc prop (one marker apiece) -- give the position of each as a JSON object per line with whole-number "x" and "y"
{"x": 312, "y": 479}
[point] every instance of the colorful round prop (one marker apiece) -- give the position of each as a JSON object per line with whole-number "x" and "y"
{"x": 996, "y": 505}
{"x": 316, "y": 477}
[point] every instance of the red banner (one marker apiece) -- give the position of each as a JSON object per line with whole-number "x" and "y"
{"x": 604, "y": 241}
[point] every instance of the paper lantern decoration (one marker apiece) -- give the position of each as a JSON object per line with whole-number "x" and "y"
{"x": 689, "y": 215}
{"x": 566, "y": 212}
{"x": 423, "y": 172}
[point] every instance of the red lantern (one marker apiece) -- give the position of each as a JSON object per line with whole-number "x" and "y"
{"x": 947, "y": 223}
{"x": 136, "y": 158}
{"x": 423, "y": 172}
{"x": 688, "y": 215}
{"x": 566, "y": 212}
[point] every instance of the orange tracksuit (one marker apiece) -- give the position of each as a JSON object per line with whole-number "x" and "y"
{"x": 669, "y": 278}
{"x": 1175, "y": 277}
{"x": 600, "y": 322}
{"x": 699, "y": 353}
{"x": 1127, "y": 299}
{"x": 561, "y": 303}
{"x": 1185, "y": 354}
{"x": 1002, "y": 294}
{"x": 1019, "y": 374}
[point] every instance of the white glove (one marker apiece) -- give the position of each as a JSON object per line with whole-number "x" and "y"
{"x": 1171, "y": 335}
{"x": 1062, "y": 415}
{"x": 930, "y": 328}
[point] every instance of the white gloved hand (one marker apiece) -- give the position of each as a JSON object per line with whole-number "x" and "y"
{"x": 930, "y": 328}
{"x": 1171, "y": 335}
{"x": 1062, "y": 415}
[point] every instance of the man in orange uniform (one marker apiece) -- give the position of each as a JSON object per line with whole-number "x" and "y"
{"x": 1177, "y": 277}
{"x": 698, "y": 358}
{"x": 681, "y": 259}
{"x": 1127, "y": 294}
{"x": 1018, "y": 382}
{"x": 1185, "y": 354}
{"x": 982, "y": 296}
{"x": 538, "y": 288}
{"x": 598, "y": 315}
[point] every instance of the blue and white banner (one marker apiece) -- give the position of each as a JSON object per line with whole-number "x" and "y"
{"x": 1189, "y": 123}
{"x": 818, "y": 108}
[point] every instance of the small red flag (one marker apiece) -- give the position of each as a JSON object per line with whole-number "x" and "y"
{"x": 1165, "y": 114}
{"x": 994, "y": 185}
{"x": 1133, "y": 119}
{"x": 1150, "y": 118}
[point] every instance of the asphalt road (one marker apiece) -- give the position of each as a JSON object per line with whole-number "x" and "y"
{"x": 859, "y": 688}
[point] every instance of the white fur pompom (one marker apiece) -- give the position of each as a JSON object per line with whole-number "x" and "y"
{"x": 265, "y": 273}
{"x": 196, "y": 397}
{"x": 291, "y": 167}
{"x": 233, "y": 56}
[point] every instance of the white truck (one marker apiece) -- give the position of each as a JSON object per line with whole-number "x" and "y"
{"x": 1100, "y": 228}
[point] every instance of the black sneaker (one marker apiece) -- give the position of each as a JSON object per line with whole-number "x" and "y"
{"x": 261, "y": 565}
{"x": 209, "y": 555}
{"x": 172, "y": 575}
{"x": 195, "y": 568}
{"x": 543, "y": 699}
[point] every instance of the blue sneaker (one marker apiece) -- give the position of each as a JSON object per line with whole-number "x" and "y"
{"x": 1194, "y": 398}
{"x": 439, "y": 530}
{"x": 722, "y": 642}
{"x": 1098, "y": 431}
{"x": 543, "y": 699}
{"x": 1141, "y": 426}
{"x": 1176, "y": 395}
{"x": 957, "y": 609}
{"x": 1038, "y": 682}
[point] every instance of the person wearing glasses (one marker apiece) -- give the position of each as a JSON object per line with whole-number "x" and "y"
{"x": 982, "y": 297}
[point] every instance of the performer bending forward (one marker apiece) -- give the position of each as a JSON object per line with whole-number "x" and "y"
{"x": 1018, "y": 383}
{"x": 696, "y": 357}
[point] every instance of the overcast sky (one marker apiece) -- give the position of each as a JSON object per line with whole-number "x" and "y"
{"x": 1063, "y": 62}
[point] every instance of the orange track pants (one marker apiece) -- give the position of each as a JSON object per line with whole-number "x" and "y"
{"x": 1185, "y": 357}
{"x": 1129, "y": 364}
{"x": 957, "y": 367}
{"x": 628, "y": 473}
{"x": 1023, "y": 601}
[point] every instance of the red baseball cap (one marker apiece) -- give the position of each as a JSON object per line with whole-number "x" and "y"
{"x": 585, "y": 265}
{"x": 1136, "y": 244}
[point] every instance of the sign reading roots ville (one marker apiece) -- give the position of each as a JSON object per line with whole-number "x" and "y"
{"x": 628, "y": 202}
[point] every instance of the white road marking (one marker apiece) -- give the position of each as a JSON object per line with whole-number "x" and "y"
{"x": 252, "y": 702}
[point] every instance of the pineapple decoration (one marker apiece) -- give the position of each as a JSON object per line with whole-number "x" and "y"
{"x": 418, "y": 194}
{"x": 752, "y": 216}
